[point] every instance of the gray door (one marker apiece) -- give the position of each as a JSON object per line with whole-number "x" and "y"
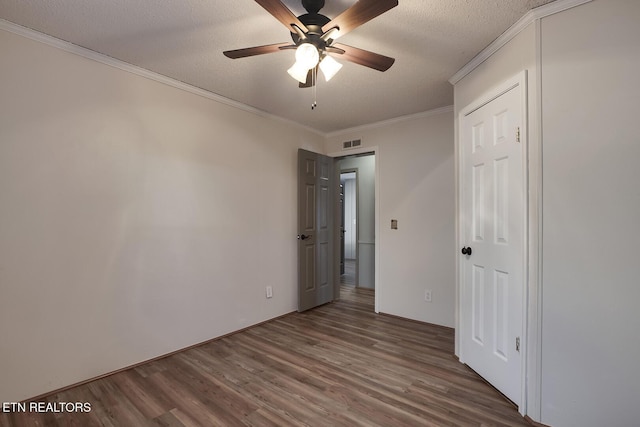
{"x": 315, "y": 229}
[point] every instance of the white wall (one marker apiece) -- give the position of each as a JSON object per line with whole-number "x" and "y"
{"x": 416, "y": 187}
{"x": 591, "y": 279}
{"x": 365, "y": 212}
{"x": 583, "y": 104}
{"x": 129, "y": 213}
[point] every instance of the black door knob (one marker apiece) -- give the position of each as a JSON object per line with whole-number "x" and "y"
{"x": 304, "y": 237}
{"x": 466, "y": 251}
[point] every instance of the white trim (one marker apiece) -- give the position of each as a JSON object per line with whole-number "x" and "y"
{"x": 142, "y": 72}
{"x": 524, "y": 349}
{"x": 534, "y": 324}
{"x": 359, "y": 150}
{"x": 530, "y": 17}
{"x": 519, "y": 80}
{"x": 428, "y": 113}
{"x": 494, "y": 92}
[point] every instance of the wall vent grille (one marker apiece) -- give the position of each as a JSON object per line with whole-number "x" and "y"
{"x": 351, "y": 144}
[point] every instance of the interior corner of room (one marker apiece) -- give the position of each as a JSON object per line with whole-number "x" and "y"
{"x": 140, "y": 216}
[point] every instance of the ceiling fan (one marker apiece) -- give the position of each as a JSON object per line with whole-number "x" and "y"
{"x": 314, "y": 34}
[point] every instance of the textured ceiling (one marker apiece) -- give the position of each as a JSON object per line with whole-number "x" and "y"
{"x": 184, "y": 40}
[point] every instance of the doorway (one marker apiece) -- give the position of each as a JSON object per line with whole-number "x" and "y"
{"x": 348, "y": 227}
{"x": 357, "y": 224}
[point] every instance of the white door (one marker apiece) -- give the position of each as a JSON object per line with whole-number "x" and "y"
{"x": 493, "y": 254}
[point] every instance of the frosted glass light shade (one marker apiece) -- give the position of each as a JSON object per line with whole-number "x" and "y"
{"x": 329, "y": 67}
{"x": 298, "y": 72}
{"x": 307, "y": 55}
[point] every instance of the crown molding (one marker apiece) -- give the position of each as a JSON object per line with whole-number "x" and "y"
{"x": 142, "y": 72}
{"x": 530, "y": 17}
{"x": 428, "y": 113}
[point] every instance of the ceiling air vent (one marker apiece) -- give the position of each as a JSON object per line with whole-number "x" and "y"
{"x": 351, "y": 144}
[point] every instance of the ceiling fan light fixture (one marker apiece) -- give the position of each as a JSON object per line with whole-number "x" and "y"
{"x": 307, "y": 55}
{"x": 313, "y": 35}
{"x": 329, "y": 67}
{"x": 298, "y": 72}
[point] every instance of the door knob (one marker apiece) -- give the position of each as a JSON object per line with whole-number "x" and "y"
{"x": 466, "y": 251}
{"x": 304, "y": 237}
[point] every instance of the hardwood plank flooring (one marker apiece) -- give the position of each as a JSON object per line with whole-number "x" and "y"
{"x": 337, "y": 365}
{"x": 349, "y": 276}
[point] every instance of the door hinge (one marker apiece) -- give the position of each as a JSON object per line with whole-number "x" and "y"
{"x": 518, "y": 134}
{"x": 517, "y": 343}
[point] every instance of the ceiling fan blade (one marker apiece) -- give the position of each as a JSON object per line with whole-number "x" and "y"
{"x": 282, "y": 14}
{"x": 364, "y": 57}
{"x": 257, "y": 50}
{"x": 361, "y": 12}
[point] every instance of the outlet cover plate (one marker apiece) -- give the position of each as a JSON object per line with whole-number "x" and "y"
{"x": 427, "y": 295}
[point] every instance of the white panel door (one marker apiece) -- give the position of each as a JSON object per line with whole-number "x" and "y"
{"x": 492, "y": 279}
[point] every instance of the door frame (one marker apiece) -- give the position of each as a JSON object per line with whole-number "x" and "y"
{"x": 375, "y": 150}
{"x": 530, "y": 318}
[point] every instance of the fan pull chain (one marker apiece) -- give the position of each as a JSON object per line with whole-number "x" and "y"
{"x": 314, "y": 76}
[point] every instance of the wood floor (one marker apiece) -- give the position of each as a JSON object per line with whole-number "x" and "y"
{"x": 349, "y": 276}
{"x": 336, "y": 365}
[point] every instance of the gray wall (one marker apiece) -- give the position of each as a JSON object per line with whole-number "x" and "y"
{"x": 591, "y": 212}
{"x": 135, "y": 218}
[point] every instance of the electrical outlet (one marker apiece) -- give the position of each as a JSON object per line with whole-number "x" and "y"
{"x": 427, "y": 295}
{"x": 269, "y": 292}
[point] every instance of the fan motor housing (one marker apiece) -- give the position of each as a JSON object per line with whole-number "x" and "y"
{"x": 313, "y": 6}
{"x": 314, "y": 23}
